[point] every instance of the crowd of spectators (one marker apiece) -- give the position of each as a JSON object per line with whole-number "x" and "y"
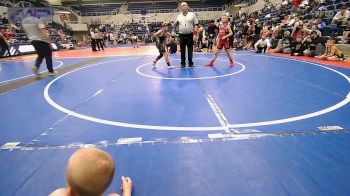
{"x": 295, "y": 28}
{"x": 13, "y": 33}
{"x": 289, "y": 28}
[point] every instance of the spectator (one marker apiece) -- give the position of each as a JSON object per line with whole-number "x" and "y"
{"x": 285, "y": 2}
{"x": 89, "y": 172}
{"x": 252, "y": 37}
{"x": 332, "y": 53}
{"x": 278, "y": 6}
{"x": 283, "y": 45}
{"x": 296, "y": 3}
{"x": 265, "y": 30}
{"x": 313, "y": 28}
{"x": 9, "y": 32}
{"x": 304, "y": 4}
{"x": 99, "y": 39}
{"x": 238, "y": 39}
{"x": 263, "y": 45}
{"x": 201, "y": 35}
{"x": 322, "y": 7}
{"x": 4, "y": 46}
{"x": 4, "y": 20}
{"x": 341, "y": 18}
{"x": 315, "y": 45}
{"x": 275, "y": 34}
{"x": 346, "y": 34}
{"x": 211, "y": 35}
{"x": 290, "y": 20}
{"x": 320, "y": 23}
{"x": 297, "y": 46}
{"x": 297, "y": 28}
{"x": 111, "y": 38}
{"x": 94, "y": 40}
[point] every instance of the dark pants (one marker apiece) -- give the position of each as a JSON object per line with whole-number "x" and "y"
{"x": 173, "y": 48}
{"x": 261, "y": 49}
{"x": 99, "y": 44}
{"x": 100, "y": 41}
{"x": 5, "y": 48}
{"x": 44, "y": 51}
{"x": 210, "y": 45}
{"x": 186, "y": 40}
{"x": 93, "y": 44}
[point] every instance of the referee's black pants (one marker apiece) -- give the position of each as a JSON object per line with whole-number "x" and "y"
{"x": 44, "y": 52}
{"x": 186, "y": 40}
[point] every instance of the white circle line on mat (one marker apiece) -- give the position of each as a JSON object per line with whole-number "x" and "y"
{"x": 199, "y": 78}
{"x": 178, "y": 128}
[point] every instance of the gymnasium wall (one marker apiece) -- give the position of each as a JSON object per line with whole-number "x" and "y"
{"x": 159, "y": 17}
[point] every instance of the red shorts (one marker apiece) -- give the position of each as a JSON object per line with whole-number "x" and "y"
{"x": 223, "y": 44}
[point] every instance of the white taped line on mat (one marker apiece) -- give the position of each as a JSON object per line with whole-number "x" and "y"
{"x": 129, "y": 140}
{"x": 330, "y": 128}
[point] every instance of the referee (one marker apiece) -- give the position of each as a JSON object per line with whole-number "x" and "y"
{"x": 186, "y": 22}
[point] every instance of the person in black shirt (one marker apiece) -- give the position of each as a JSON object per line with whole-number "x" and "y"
{"x": 161, "y": 37}
{"x": 4, "y": 45}
{"x": 297, "y": 46}
{"x": 316, "y": 45}
{"x": 211, "y": 35}
{"x": 231, "y": 39}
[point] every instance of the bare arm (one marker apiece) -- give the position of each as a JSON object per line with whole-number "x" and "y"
{"x": 268, "y": 46}
{"x": 158, "y": 33}
{"x": 296, "y": 25}
{"x": 256, "y": 45}
{"x": 230, "y": 31}
{"x": 333, "y": 49}
{"x": 168, "y": 34}
{"x": 346, "y": 35}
